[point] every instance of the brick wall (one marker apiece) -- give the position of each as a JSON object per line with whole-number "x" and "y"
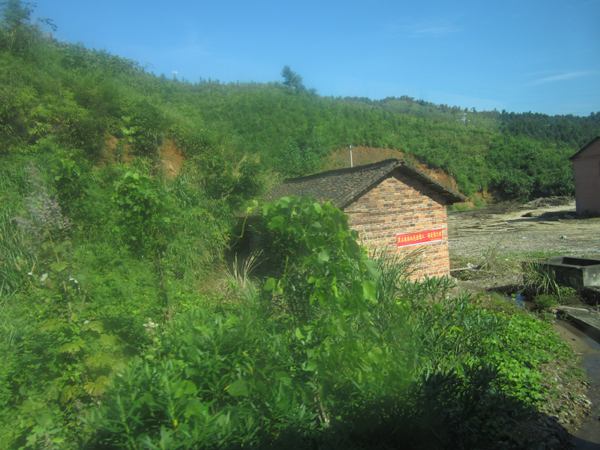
{"x": 398, "y": 204}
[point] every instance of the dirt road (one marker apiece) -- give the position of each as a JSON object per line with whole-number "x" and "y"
{"x": 519, "y": 229}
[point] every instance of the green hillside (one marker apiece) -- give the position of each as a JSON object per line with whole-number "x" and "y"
{"x": 125, "y": 324}
{"x": 61, "y": 96}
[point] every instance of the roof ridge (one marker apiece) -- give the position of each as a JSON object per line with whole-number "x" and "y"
{"x": 341, "y": 186}
{"x": 346, "y": 170}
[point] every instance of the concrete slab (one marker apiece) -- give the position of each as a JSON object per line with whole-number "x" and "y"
{"x": 572, "y": 271}
{"x": 587, "y": 320}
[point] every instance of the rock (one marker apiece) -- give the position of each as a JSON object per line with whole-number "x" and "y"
{"x": 530, "y": 214}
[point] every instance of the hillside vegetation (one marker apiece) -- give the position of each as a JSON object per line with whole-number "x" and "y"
{"x": 123, "y": 326}
{"x": 61, "y": 95}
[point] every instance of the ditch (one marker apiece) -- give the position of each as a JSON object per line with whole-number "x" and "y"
{"x": 588, "y": 436}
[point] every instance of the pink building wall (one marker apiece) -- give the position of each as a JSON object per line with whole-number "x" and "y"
{"x": 586, "y": 167}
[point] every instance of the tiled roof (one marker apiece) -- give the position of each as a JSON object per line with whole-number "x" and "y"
{"x": 343, "y": 185}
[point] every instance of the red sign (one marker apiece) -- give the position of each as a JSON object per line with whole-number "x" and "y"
{"x": 404, "y": 240}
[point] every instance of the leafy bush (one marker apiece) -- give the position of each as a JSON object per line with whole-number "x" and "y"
{"x": 334, "y": 349}
{"x": 215, "y": 381}
{"x": 545, "y": 301}
{"x": 238, "y": 379}
{"x": 144, "y": 206}
{"x": 232, "y": 182}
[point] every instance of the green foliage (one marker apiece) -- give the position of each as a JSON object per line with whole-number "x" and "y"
{"x": 215, "y": 381}
{"x": 54, "y": 373}
{"x": 17, "y": 258}
{"x": 292, "y": 79}
{"x": 70, "y": 179}
{"x": 526, "y": 343}
{"x": 448, "y": 332}
{"x": 230, "y": 181}
{"x": 524, "y": 168}
{"x": 545, "y": 301}
{"x": 295, "y": 161}
{"x": 72, "y": 97}
{"x": 17, "y": 33}
{"x": 144, "y": 127}
{"x": 73, "y": 299}
{"x": 336, "y": 348}
{"x": 315, "y": 250}
{"x": 539, "y": 280}
{"x": 577, "y": 131}
{"x": 202, "y": 227}
{"x": 144, "y": 211}
{"x": 238, "y": 380}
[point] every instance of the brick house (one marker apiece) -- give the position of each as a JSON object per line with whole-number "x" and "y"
{"x": 586, "y": 168}
{"x": 390, "y": 203}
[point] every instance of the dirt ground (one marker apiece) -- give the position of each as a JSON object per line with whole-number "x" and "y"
{"x": 511, "y": 229}
{"x": 486, "y": 249}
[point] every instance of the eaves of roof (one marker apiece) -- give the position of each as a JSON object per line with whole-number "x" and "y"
{"x": 342, "y": 186}
{"x": 580, "y": 152}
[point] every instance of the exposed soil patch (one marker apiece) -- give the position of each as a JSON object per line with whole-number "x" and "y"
{"x": 116, "y": 151}
{"x": 171, "y": 158}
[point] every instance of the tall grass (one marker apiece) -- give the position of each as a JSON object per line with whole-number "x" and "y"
{"x": 16, "y": 260}
{"x": 539, "y": 279}
{"x": 237, "y": 276}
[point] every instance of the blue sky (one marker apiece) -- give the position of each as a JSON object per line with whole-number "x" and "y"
{"x": 518, "y": 55}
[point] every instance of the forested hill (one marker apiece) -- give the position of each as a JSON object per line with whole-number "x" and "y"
{"x": 573, "y": 130}
{"x": 577, "y": 131}
{"x": 57, "y": 97}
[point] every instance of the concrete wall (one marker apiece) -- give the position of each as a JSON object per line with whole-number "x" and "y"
{"x": 587, "y": 179}
{"x": 402, "y": 205}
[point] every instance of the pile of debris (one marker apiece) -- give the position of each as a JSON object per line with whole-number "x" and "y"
{"x": 550, "y": 201}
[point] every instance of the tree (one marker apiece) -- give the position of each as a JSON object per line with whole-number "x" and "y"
{"x": 292, "y": 79}
{"x": 17, "y": 33}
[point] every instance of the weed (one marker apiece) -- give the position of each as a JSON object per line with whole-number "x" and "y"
{"x": 576, "y": 372}
{"x": 238, "y": 276}
{"x": 539, "y": 279}
{"x": 502, "y": 304}
{"x": 568, "y": 296}
{"x": 479, "y": 203}
{"x": 545, "y": 301}
{"x": 490, "y": 257}
{"x": 459, "y": 207}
